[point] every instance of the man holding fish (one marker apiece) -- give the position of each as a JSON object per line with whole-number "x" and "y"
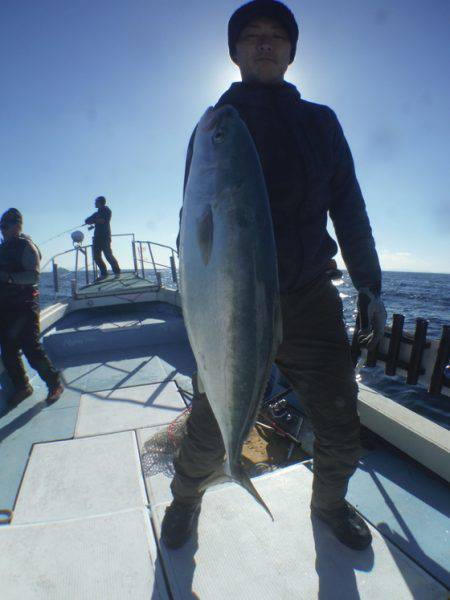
{"x": 264, "y": 169}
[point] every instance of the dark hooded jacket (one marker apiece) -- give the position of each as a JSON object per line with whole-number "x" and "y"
{"x": 102, "y": 231}
{"x": 19, "y": 259}
{"x": 309, "y": 173}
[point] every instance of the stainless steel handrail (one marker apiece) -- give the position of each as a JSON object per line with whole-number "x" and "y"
{"x": 157, "y": 244}
{"x": 141, "y": 245}
{"x": 86, "y": 246}
{"x": 138, "y": 248}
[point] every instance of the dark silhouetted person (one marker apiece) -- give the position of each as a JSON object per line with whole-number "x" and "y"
{"x": 309, "y": 173}
{"x": 19, "y": 311}
{"x": 101, "y": 220}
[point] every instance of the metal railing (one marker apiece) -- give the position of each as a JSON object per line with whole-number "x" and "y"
{"x": 139, "y": 248}
{"x": 157, "y": 273}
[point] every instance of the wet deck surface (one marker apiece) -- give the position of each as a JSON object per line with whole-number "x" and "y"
{"x": 409, "y": 505}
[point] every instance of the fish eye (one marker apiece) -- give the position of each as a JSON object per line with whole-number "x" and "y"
{"x": 219, "y": 136}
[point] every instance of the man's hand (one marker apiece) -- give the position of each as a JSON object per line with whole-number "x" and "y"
{"x": 372, "y": 318}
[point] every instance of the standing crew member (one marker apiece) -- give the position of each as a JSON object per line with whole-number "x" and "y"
{"x": 101, "y": 220}
{"x": 19, "y": 311}
{"x": 309, "y": 172}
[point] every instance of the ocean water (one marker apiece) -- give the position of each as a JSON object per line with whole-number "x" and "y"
{"x": 413, "y": 295}
{"x": 425, "y": 295}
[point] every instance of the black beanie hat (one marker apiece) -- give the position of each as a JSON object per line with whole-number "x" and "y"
{"x": 102, "y": 200}
{"x": 12, "y": 215}
{"x": 262, "y": 8}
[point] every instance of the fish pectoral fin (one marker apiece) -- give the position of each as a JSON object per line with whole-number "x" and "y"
{"x": 239, "y": 476}
{"x": 205, "y": 233}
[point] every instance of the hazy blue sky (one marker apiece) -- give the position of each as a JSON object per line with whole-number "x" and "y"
{"x": 100, "y": 97}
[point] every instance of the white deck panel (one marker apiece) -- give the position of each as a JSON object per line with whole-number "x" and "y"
{"x": 128, "y": 408}
{"x": 81, "y": 478}
{"x": 105, "y": 557}
{"x": 239, "y": 553}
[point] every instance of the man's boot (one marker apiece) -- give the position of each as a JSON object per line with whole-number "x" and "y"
{"x": 20, "y": 395}
{"x": 178, "y": 523}
{"x": 347, "y": 526}
{"x": 54, "y": 392}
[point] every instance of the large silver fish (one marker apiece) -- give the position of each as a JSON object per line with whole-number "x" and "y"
{"x": 229, "y": 279}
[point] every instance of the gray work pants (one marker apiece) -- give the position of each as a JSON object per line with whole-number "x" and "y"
{"x": 315, "y": 359}
{"x": 20, "y": 331}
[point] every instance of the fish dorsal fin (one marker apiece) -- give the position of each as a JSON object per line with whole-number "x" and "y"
{"x": 205, "y": 232}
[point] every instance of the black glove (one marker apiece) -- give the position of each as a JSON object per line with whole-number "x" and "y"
{"x": 371, "y": 318}
{"x": 4, "y": 277}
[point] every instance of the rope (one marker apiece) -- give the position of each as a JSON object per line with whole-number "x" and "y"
{"x": 60, "y": 234}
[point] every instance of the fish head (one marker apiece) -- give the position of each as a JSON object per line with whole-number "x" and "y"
{"x": 218, "y": 124}
{"x": 225, "y": 147}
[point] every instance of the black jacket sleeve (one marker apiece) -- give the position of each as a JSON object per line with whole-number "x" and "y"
{"x": 91, "y": 220}
{"x": 349, "y": 216}
{"x": 186, "y": 177}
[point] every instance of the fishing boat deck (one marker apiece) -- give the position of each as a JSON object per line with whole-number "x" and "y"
{"x": 109, "y": 348}
{"x": 116, "y": 285}
{"x": 88, "y": 470}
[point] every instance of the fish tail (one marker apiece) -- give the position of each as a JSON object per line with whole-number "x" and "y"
{"x": 238, "y": 475}
{"x": 241, "y": 477}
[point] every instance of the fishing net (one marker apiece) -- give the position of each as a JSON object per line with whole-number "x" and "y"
{"x": 159, "y": 449}
{"x": 279, "y": 438}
